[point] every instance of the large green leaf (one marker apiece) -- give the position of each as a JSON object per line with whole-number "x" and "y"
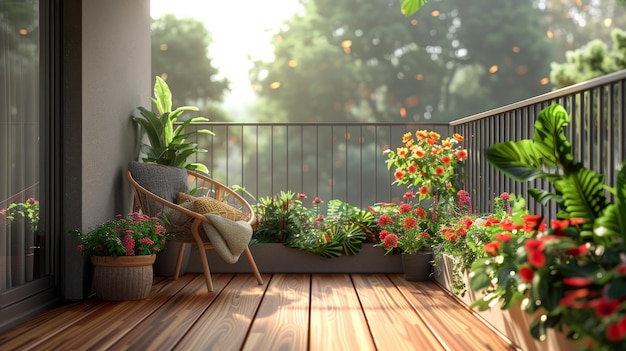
{"x": 518, "y": 160}
{"x": 582, "y": 193}
{"x": 409, "y": 7}
{"x": 163, "y": 96}
{"x": 612, "y": 224}
{"x": 550, "y": 141}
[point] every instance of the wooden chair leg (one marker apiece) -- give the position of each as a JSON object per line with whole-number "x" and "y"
{"x": 255, "y": 270}
{"x": 205, "y": 268}
{"x": 179, "y": 260}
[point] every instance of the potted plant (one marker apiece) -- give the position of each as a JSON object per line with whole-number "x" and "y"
{"x": 284, "y": 219}
{"x": 168, "y": 143}
{"x": 20, "y": 214}
{"x": 122, "y": 251}
{"x": 406, "y": 227}
{"x": 570, "y": 275}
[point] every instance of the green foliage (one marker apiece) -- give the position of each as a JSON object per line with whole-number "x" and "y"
{"x": 590, "y": 61}
{"x": 180, "y": 53}
{"x": 409, "y": 7}
{"x": 572, "y": 275}
{"x": 579, "y": 192}
{"x": 168, "y": 141}
{"x": 360, "y": 60}
{"x": 131, "y": 235}
{"x": 28, "y": 210}
{"x": 284, "y": 218}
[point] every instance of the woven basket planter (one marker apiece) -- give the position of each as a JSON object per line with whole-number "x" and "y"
{"x": 123, "y": 277}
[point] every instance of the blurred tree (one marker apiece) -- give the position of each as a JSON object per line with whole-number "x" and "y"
{"x": 180, "y": 55}
{"x": 590, "y": 61}
{"x": 360, "y": 60}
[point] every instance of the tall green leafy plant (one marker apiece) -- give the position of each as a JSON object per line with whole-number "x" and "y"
{"x": 574, "y": 272}
{"x": 169, "y": 143}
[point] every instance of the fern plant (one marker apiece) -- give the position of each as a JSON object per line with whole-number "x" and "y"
{"x": 168, "y": 143}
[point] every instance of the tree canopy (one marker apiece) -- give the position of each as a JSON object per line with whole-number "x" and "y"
{"x": 180, "y": 56}
{"x": 360, "y": 60}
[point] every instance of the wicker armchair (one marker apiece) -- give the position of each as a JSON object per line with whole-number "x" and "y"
{"x": 180, "y": 220}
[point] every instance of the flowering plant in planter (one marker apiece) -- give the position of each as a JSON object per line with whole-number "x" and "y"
{"x": 464, "y": 233}
{"x": 574, "y": 273}
{"x": 131, "y": 235}
{"x": 405, "y": 226}
{"x": 431, "y": 168}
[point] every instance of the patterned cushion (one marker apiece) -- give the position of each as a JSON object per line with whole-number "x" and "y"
{"x": 206, "y": 205}
{"x": 163, "y": 181}
{"x": 175, "y": 217}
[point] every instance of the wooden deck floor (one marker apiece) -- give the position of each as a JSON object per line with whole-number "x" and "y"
{"x": 289, "y": 312}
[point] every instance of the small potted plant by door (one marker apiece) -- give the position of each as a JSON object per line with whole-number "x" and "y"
{"x": 122, "y": 252}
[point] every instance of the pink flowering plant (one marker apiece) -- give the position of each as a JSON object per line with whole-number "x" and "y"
{"x": 131, "y": 235}
{"x": 405, "y": 226}
{"x": 28, "y": 210}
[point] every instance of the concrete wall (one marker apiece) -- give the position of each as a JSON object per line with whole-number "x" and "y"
{"x": 114, "y": 79}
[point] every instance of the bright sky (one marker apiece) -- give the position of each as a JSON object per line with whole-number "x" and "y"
{"x": 239, "y": 29}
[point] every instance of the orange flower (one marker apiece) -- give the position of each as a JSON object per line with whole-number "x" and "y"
{"x": 407, "y": 137}
{"x": 458, "y": 137}
{"x": 434, "y": 135}
{"x": 440, "y": 170}
{"x": 461, "y": 155}
{"x": 446, "y": 160}
{"x": 492, "y": 248}
{"x": 431, "y": 141}
{"x": 412, "y": 168}
{"x": 419, "y": 152}
{"x": 402, "y": 152}
{"x": 424, "y": 190}
{"x": 399, "y": 174}
{"x": 421, "y": 134}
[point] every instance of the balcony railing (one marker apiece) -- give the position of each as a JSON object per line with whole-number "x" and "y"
{"x": 346, "y": 161}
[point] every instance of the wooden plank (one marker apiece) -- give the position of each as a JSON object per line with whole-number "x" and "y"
{"x": 104, "y": 328}
{"x": 225, "y": 324}
{"x": 164, "y": 328}
{"x": 337, "y": 320}
{"x": 44, "y": 326}
{"x": 282, "y": 322}
{"x": 455, "y": 326}
{"x": 394, "y": 323}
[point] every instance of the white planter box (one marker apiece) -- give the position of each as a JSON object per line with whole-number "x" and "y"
{"x": 277, "y": 258}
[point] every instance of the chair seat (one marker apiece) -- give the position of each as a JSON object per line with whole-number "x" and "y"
{"x": 181, "y": 221}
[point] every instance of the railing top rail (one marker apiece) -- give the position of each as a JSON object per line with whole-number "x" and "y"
{"x": 326, "y": 124}
{"x": 572, "y": 89}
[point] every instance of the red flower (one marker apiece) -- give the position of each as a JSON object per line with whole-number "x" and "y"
{"x": 615, "y": 332}
{"x": 412, "y": 168}
{"x": 317, "y": 200}
{"x": 492, "y": 248}
{"x": 425, "y": 235}
{"x": 606, "y": 308}
{"x": 576, "y": 221}
{"x": 383, "y": 234}
{"x": 527, "y": 274}
{"x": 534, "y": 245}
{"x": 577, "y": 281}
{"x": 505, "y": 196}
{"x": 391, "y": 240}
{"x": 445, "y": 159}
{"x": 404, "y": 208}
{"x": 384, "y": 219}
{"x": 424, "y": 190}
{"x": 301, "y": 196}
{"x": 559, "y": 225}
{"x": 532, "y": 222}
{"x": 409, "y": 223}
{"x": 506, "y": 237}
{"x": 578, "y": 251}
{"x": 537, "y": 259}
{"x": 408, "y": 195}
{"x": 420, "y": 212}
